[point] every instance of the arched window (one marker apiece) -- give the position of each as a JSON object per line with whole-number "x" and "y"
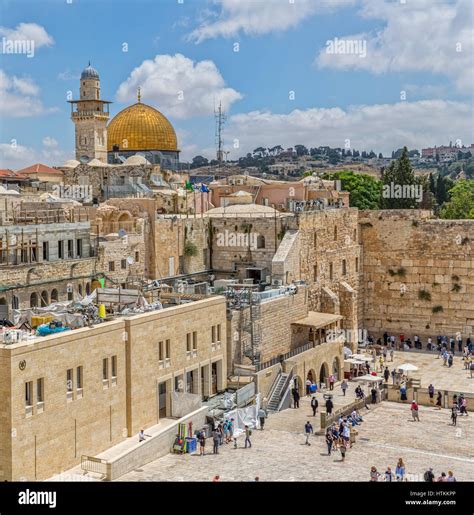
{"x": 54, "y": 295}
{"x": 34, "y": 300}
{"x": 260, "y": 241}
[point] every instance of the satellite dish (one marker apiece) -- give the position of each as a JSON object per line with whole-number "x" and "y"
{"x": 122, "y": 233}
{"x": 130, "y": 260}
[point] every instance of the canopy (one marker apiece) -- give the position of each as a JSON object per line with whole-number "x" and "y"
{"x": 407, "y": 367}
{"x": 317, "y": 320}
{"x": 355, "y": 361}
{"x": 363, "y": 357}
{"x": 369, "y": 379}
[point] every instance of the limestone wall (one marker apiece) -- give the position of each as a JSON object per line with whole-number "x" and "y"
{"x": 418, "y": 274}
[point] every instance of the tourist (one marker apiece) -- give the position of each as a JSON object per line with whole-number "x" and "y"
{"x": 381, "y": 363}
{"x": 442, "y": 478}
{"x": 459, "y": 339}
{"x": 230, "y": 428}
{"x": 439, "y": 400}
{"x": 374, "y": 475}
{"x": 308, "y": 429}
{"x": 142, "y": 436}
{"x": 343, "y": 450}
{"x": 335, "y": 436}
{"x": 454, "y": 415}
{"x": 308, "y": 386}
{"x": 329, "y": 406}
{"x": 329, "y": 440}
{"x": 332, "y": 379}
{"x": 403, "y": 392}
{"x": 450, "y": 360}
{"x": 314, "y": 405}
{"x": 202, "y": 443}
{"x": 257, "y": 479}
{"x": 215, "y": 441}
{"x": 428, "y": 476}
{"x": 391, "y": 354}
{"x": 445, "y": 357}
{"x": 386, "y": 374}
{"x": 414, "y": 411}
{"x": 429, "y": 345}
{"x": 394, "y": 375}
{"x": 225, "y": 427}
{"x": 220, "y": 432}
{"x": 431, "y": 393}
{"x": 313, "y": 388}
{"x": 346, "y": 434}
{"x": 216, "y": 479}
{"x": 463, "y": 406}
{"x": 388, "y": 474}
{"x": 344, "y": 387}
{"x": 296, "y": 398}
{"x": 450, "y": 478}
{"x": 261, "y": 416}
{"x": 248, "y": 434}
{"x": 400, "y": 470}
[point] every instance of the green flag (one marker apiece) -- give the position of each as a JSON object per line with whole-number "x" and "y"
{"x": 189, "y": 186}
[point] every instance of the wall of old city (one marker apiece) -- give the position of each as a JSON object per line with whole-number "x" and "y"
{"x": 418, "y": 274}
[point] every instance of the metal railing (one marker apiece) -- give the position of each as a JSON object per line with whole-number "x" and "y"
{"x": 96, "y": 465}
{"x": 283, "y": 357}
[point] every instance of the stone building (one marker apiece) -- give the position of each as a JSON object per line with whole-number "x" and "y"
{"x": 83, "y": 391}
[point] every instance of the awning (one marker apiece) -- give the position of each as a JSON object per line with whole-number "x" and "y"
{"x": 317, "y": 320}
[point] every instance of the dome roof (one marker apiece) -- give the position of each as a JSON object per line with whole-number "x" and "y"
{"x": 71, "y": 163}
{"x": 142, "y": 128}
{"x": 89, "y": 73}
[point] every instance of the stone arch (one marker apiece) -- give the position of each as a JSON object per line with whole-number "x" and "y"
{"x": 323, "y": 373}
{"x": 34, "y": 300}
{"x": 336, "y": 368}
{"x": 298, "y": 384}
{"x": 311, "y": 375}
{"x": 54, "y": 295}
{"x": 44, "y": 299}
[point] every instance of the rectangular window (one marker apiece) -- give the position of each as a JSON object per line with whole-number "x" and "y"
{"x": 213, "y": 334}
{"x": 111, "y": 266}
{"x": 344, "y": 267}
{"x": 79, "y": 247}
{"x": 45, "y": 250}
{"x": 137, "y": 256}
{"x": 168, "y": 349}
{"x": 330, "y": 270}
{"x": 105, "y": 369}
{"x": 188, "y": 342}
{"x": 69, "y": 380}
{"x": 315, "y": 272}
{"x": 218, "y": 332}
{"x": 29, "y": 393}
{"x": 123, "y": 264}
{"x": 79, "y": 377}
{"x": 195, "y": 340}
{"x": 70, "y": 249}
{"x": 61, "y": 249}
{"x": 40, "y": 390}
{"x": 357, "y": 264}
{"x": 160, "y": 351}
{"x": 114, "y": 366}
{"x": 315, "y": 240}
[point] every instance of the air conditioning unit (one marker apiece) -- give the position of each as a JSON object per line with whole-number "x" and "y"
{"x": 277, "y": 282}
{"x": 248, "y": 281}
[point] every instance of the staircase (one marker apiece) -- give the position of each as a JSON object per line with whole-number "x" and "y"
{"x": 277, "y": 392}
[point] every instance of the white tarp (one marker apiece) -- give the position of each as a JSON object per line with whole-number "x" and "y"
{"x": 244, "y": 417}
{"x": 183, "y": 403}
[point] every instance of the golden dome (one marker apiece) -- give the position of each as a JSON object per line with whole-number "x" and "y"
{"x": 141, "y": 127}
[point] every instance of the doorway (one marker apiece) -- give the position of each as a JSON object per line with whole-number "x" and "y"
{"x": 214, "y": 378}
{"x": 162, "y": 399}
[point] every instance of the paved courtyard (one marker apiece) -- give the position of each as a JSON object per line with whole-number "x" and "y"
{"x": 431, "y": 370}
{"x": 278, "y": 453}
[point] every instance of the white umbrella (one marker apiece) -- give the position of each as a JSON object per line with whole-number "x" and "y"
{"x": 407, "y": 367}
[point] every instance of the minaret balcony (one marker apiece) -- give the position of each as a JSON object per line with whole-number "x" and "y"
{"x": 77, "y": 115}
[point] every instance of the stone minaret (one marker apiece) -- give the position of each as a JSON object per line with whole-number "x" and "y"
{"x": 90, "y": 115}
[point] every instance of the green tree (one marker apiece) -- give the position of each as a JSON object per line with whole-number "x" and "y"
{"x": 461, "y": 201}
{"x": 364, "y": 189}
{"x": 399, "y": 173}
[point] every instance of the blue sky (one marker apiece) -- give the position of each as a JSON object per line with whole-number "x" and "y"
{"x": 412, "y": 85}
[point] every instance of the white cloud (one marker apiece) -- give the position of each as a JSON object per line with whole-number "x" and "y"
{"x": 28, "y": 32}
{"x": 382, "y": 127}
{"x": 419, "y": 35}
{"x": 178, "y": 86}
{"x": 16, "y": 156}
{"x": 19, "y": 97}
{"x": 257, "y": 17}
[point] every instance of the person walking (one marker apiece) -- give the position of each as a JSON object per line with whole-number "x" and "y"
{"x": 329, "y": 440}
{"x": 215, "y": 442}
{"x": 202, "y": 443}
{"x": 344, "y": 387}
{"x": 439, "y": 400}
{"x": 332, "y": 380}
{"x": 343, "y": 449}
{"x": 230, "y": 430}
{"x": 431, "y": 391}
{"x": 308, "y": 429}
{"x": 329, "y": 406}
{"x": 314, "y": 405}
{"x": 386, "y": 374}
{"x": 450, "y": 360}
{"x": 454, "y": 415}
{"x": 261, "y": 416}
{"x": 414, "y": 411}
{"x": 400, "y": 470}
{"x": 296, "y": 398}
{"x": 463, "y": 406}
{"x": 248, "y": 434}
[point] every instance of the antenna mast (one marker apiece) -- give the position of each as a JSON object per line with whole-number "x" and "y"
{"x": 220, "y": 121}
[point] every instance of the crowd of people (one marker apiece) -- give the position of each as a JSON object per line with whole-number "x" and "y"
{"x": 400, "y": 474}
{"x": 338, "y": 434}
